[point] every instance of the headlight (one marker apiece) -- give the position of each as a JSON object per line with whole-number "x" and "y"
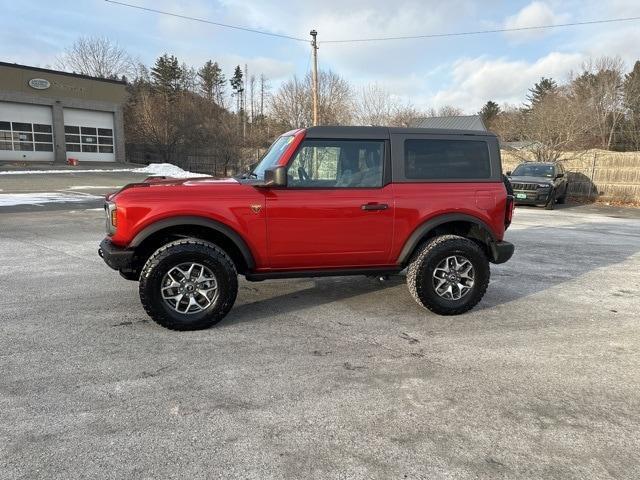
{"x": 111, "y": 213}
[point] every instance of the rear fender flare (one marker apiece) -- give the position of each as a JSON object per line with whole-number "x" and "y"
{"x": 419, "y": 233}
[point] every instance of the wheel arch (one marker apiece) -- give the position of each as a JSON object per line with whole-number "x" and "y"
{"x": 153, "y": 236}
{"x": 451, "y": 223}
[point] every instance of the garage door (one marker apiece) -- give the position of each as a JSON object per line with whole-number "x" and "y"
{"x": 88, "y": 135}
{"x": 26, "y": 132}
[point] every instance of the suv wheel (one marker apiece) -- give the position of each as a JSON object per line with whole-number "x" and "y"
{"x": 563, "y": 198}
{"x": 551, "y": 203}
{"x": 188, "y": 284}
{"x": 448, "y": 275}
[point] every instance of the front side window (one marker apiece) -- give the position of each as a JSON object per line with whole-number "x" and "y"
{"x": 338, "y": 164}
{"x": 426, "y": 159}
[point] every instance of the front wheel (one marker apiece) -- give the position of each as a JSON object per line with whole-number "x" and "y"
{"x": 551, "y": 202}
{"x": 188, "y": 284}
{"x": 449, "y": 275}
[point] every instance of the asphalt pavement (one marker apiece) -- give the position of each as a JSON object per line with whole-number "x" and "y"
{"x": 332, "y": 378}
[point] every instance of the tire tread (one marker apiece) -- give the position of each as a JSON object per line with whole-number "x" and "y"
{"x": 180, "y": 246}
{"x": 415, "y": 273}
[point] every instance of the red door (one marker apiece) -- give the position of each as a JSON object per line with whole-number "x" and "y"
{"x": 335, "y": 211}
{"x": 319, "y": 228}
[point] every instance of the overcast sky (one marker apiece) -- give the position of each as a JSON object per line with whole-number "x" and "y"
{"x": 460, "y": 71}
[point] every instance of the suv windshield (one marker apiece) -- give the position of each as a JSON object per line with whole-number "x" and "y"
{"x": 533, "y": 171}
{"x": 272, "y": 156}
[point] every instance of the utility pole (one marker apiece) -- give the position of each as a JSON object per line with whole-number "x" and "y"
{"x": 314, "y": 76}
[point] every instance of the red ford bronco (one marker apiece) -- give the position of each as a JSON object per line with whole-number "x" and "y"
{"x": 323, "y": 201}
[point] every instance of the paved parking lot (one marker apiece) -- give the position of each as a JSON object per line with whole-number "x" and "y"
{"x": 327, "y": 378}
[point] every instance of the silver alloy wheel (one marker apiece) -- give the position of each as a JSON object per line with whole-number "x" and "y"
{"x": 453, "y": 277}
{"x": 189, "y": 288}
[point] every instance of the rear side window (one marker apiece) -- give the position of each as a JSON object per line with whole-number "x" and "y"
{"x": 446, "y": 159}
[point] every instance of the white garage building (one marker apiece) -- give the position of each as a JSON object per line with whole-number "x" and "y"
{"x": 50, "y": 116}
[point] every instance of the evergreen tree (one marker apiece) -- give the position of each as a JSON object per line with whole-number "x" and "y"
{"x": 212, "y": 82}
{"x": 167, "y": 75}
{"x": 489, "y": 113}
{"x": 237, "y": 84}
{"x": 540, "y": 90}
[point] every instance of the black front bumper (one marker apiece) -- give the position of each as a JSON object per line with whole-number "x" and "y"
{"x": 501, "y": 251}
{"x": 116, "y": 257}
{"x": 532, "y": 197}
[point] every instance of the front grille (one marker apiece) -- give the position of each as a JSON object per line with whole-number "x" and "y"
{"x": 525, "y": 186}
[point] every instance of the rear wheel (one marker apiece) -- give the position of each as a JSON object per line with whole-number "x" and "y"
{"x": 449, "y": 275}
{"x": 188, "y": 284}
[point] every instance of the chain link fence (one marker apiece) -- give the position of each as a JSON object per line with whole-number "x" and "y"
{"x": 212, "y": 161}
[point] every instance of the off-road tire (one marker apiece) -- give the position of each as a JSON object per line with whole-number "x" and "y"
{"x": 563, "y": 199}
{"x": 425, "y": 260}
{"x": 551, "y": 203}
{"x": 175, "y": 253}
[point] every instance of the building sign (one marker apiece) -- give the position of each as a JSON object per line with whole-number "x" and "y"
{"x": 39, "y": 83}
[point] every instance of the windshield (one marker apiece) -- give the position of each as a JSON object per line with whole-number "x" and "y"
{"x": 272, "y": 156}
{"x": 534, "y": 171}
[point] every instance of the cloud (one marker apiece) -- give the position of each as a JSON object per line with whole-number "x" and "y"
{"x": 622, "y": 41}
{"x": 535, "y": 13}
{"x": 272, "y": 68}
{"x": 476, "y": 80}
{"x": 339, "y": 19}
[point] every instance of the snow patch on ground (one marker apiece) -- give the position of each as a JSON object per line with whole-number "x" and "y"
{"x": 167, "y": 170}
{"x": 48, "y": 172}
{"x": 13, "y": 199}
{"x": 159, "y": 169}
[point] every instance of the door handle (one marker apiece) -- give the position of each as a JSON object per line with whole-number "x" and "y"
{"x": 374, "y": 206}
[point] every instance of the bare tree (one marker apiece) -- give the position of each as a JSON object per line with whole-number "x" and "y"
{"x": 373, "y": 105}
{"x": 264, "y": 91}
{"x": 252, "y": 97}
{"x": 600, "y": 88}
{"x": 555, "y": 126}
{"x": 98, "y": 57}
{"x": 444, "y": 111}
{"x": 291, "y": 104}
{"x": 404, "y": 115}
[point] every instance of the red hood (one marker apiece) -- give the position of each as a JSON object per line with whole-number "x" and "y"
{"x": 175, "y": 182}
{"x": 190, "y": 181}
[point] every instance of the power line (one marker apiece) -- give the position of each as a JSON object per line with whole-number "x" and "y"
{"x": 377, "y": 39}
{"x": 481, "y": 32}
{"x": 202, "y": 20}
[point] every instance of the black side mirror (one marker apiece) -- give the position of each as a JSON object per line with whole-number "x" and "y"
{"x": 559, "y": 175}
{"x": 275, "y": 177}
{"x": 509, "y": 173}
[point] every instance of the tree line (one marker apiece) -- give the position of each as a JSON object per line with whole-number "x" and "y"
{"x": 597, "y": 107}
{"x": 176, "y": 109}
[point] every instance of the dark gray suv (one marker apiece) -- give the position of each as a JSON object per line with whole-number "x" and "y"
{"x": 539, "y": 184}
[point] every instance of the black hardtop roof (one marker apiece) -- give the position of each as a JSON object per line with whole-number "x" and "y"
{"x": 384, "y": 132}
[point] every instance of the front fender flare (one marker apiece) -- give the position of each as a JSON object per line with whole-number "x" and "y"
{"x": 200, "y": 222}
